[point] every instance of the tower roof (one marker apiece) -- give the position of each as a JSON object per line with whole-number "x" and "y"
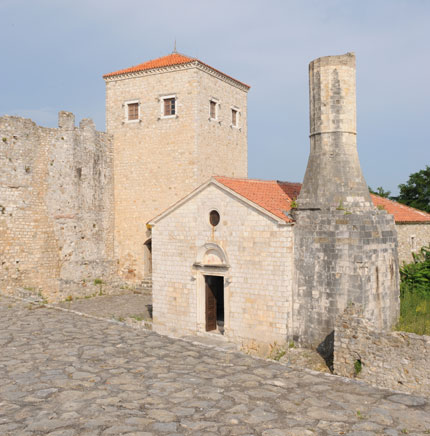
{"x": 170, "y": 60}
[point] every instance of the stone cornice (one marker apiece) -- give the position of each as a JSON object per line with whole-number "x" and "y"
{"x": 185, "y": 66}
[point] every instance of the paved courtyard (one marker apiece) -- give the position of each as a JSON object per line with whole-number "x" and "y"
{"x": 65, "y": 374}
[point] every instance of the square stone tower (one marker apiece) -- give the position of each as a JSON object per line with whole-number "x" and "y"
{"x": 175, "y": 123}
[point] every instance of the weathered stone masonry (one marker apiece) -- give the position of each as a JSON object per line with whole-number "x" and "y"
{"x": 56, "y": 213}
{"x": 394, "y": 360}
{"x": 345, "y": 249}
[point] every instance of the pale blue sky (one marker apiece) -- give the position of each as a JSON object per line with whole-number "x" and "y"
{"x": 54, "y": 53}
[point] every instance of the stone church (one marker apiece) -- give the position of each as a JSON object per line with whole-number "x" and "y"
{"x": 164, "y": 194}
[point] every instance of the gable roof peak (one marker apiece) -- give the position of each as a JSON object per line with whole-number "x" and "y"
{"x": 172, "y": 60}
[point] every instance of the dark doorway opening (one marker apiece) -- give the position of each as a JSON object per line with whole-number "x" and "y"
{"x": 214, "y": 303}
{"x": 147, "y": 260}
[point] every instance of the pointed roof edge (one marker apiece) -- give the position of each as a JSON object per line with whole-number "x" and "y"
{"x": 213, "y": 181}
{"x": 170, "y": 60}
{"x": 277, "y": 208}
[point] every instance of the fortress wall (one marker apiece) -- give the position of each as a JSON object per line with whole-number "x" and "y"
{"x": 394, "y": 360}
{"x": 56, "y": 196}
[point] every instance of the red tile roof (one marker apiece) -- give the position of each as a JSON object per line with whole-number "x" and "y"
{"x": 271, "y": 195}
{"x": 401, "y": 212}
{"x": 167, "y": 61}
{"x": 276, "y": 197}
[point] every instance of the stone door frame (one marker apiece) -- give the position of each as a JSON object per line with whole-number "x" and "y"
{"x": 219, "y": 269}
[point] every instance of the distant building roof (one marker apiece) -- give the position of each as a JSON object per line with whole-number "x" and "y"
{"x": 168, "y": 61}
{"x": 402, "y": 213}
{"x": 276, "y": 197}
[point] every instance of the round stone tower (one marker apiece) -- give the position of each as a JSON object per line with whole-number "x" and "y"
{"x": 345, "y": 249}
{"x": 333, "y": 176}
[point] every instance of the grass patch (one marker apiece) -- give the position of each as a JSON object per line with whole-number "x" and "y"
{"x": 414, "y": 312}
{"x": 138, "y": 317}
{"x": 415, "y": 294}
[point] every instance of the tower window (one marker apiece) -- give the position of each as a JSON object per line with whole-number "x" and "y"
{"x": 169, "y": 106}
{"x": 413, "y": 240}
{"x": 133, "y": 111}
{"x": 213, "y": 110}
{"x": 234, "y": 118}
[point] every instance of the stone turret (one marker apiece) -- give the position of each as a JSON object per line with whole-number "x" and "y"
{"x": 333, "y": 176}
{"x": 345, "y": 249}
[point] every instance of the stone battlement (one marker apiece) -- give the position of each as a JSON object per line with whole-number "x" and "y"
{"x": 56, "y": 195}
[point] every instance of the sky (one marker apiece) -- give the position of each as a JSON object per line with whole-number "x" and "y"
{"x": 54, "y": 53}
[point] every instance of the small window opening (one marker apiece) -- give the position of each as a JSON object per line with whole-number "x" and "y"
{"x": 79, "y": 173}
{"x": 214, "y": 218}
{"x": 213, "y": 109}
{"x": 133, "y": 111}
{"x": 169, "y": 106}
{"x": 413, "y": 243}
{"x": 234, "y": 117}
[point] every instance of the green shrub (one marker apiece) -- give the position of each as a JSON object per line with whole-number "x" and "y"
{"x": 415, "y": 294}
{"x": 415, "y": 276}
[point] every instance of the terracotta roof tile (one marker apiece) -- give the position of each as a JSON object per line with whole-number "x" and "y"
{"x": 271, "y": 195}
{"x": 167, "y": 61}
{"x": 276, "y": 197}
{"x": 401, "y": 212}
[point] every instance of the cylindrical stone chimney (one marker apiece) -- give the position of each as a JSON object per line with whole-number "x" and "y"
{"x": 333, "y": 176}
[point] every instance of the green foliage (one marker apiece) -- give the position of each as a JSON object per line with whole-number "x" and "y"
{"x": 276, "y": 352}
{"x": 358, "y": 366}
{"x": 416, "y": 275}
{"x": 380, "y": 191}
{"x": 415, "y": 294}
{"x": 416, "y": 191}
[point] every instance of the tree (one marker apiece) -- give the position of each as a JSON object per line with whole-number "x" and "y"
{"x": 380, "y": 191}
{"x": 416, "y": 191}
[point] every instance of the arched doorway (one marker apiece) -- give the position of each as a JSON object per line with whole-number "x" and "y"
{"x": 212, "y": 289}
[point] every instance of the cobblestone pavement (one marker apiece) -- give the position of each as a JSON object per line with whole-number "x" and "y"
{"x": 63, "y": 374}
{"x": 113, "y": 306}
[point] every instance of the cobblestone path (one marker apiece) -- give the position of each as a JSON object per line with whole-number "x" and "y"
{"x": 64, "y": 374}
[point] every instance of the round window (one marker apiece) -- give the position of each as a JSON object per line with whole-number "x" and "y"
{"x": 214, "y": 217}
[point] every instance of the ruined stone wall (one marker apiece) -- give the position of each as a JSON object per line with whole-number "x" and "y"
{"x": 257, "y": 274}
{"x": 394, "y": 360}
{"x": 411, "y": 238}
{"x": 158, "y": 160}
{"x": 56, "y": 213}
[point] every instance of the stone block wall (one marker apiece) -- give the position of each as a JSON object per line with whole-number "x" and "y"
{"x": 341, "y": 258}
{"x": 56, "y": 207}
{"x": 411, "y": 238}
{"x": 257, "y": 293}
{"x": 158, "y": 160}
{"x": 394, "y": 360}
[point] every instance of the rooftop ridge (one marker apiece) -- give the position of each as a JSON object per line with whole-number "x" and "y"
{"x": 256, "y": 180}
{"x": 169, "y": 60}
